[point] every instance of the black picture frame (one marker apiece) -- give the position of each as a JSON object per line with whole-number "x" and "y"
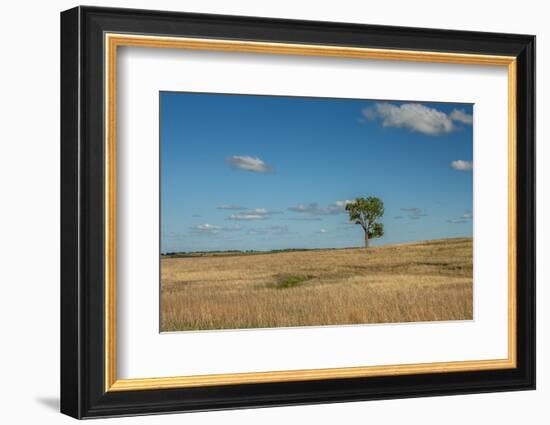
{"x": 83, "y": 392}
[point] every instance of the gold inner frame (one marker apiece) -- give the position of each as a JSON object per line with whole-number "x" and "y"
{"x": 113, "y": 41}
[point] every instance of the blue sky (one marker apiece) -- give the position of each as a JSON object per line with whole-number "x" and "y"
{"x": 268, "y": 172}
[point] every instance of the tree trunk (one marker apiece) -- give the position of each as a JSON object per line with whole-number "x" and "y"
{"x": 366, "y": 240}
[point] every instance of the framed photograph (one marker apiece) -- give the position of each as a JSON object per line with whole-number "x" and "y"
{"x": 261, "y": 212}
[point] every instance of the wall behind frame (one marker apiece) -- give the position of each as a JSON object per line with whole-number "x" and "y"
{"x": 29, "y": 219}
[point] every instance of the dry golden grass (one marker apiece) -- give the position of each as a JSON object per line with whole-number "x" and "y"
{"x": 422, "y": 281}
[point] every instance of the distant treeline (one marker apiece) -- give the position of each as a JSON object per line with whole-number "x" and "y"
{"x": 229, "y": 252}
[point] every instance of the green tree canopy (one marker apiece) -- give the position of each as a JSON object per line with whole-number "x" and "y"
{"x": 366, "y": 213}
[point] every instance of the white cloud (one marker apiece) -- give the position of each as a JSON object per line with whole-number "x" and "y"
{"x": 206, "y": 228}
{"x": 253, "y": 214}
{"x": 262, "y": 211}
{"x": 248, "y": 163}
{"x": 230, "y": 207}
{"x": 412, "y": 116}
{"x": 342, "y": 204}
{"x": 461, "y": 165}
{"x": 314, "y": 208}
{"x": 322, "y": 231}
{"x": 461, "y": 116}
{"x": 246, "y": 217}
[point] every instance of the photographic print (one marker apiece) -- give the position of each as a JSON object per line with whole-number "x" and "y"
{"x": 280, "y": 211}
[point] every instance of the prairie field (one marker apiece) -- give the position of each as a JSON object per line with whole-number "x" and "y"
{"x": 420, "y": 281}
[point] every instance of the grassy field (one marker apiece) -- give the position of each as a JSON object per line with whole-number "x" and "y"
{"x": 423, "y": 281}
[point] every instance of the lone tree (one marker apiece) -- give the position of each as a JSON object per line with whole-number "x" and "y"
{"x": 366, "y": 212}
